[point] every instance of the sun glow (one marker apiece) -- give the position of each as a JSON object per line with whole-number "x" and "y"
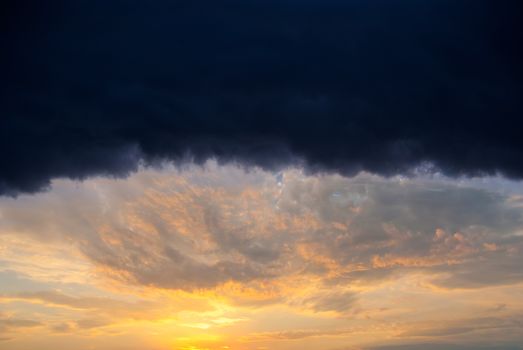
{"x": 163, "y": 260}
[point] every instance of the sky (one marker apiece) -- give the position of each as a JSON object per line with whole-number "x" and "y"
{"x": 248, "y": 175}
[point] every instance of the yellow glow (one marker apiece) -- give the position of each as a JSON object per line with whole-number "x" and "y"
{"x": 199, "y": 259}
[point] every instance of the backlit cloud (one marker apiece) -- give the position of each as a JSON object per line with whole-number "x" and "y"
{"x": 344, "y": 257}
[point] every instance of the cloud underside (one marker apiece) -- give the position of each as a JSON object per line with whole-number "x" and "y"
{"x": 285, "y": 260}
{"x": 206, "y": 227}
{"x": 94, "y": 89}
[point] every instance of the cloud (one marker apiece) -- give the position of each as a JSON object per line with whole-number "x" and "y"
{"x": 300, "y": 334}
{"x": 104, "y": 310}
{"x": 9, "y": 324}
{"x": 460, "y": 334}
{"x": 83, "y": 324}
{"x": 451, "y": 328}
{"x": 335, "y": 301}
{"x": 301, "y": 259}
{"x": 447, "y": 346}
{"x": 60, "y": 299}
{"x": 94, "y": 89}
{"x": 500, "y": 268}
{"x": 204, "y": 227}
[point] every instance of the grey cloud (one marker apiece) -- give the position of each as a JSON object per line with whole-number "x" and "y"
{"x": 198, "y": 227}
{"x": 416, "y": 211}
{"x": 62, "y": 327}
{"x": 509, "y": 327}
{"x": 423, "y": 225}
{"x": 181, "y": 271}
{"x": 497, "y": 333}
{"x": 494, "y": 269}
{"x": 100, "y": 305}
{"x": 366, "y": 276}
{"x": 300, "y": 334}
{"x": 83, "y": 324}
{"x": 447, "y": 346}
{"x": 333, "y": 301}
{"x": 57, "y": 298}
{"x": 9, "y": 324}
{"x": 89, "y": 323}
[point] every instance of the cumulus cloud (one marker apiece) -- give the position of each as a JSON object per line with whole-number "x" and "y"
{"x": 203, "y": 227}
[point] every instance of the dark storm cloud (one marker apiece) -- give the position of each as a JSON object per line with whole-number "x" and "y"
{"x": 91, "y": 87}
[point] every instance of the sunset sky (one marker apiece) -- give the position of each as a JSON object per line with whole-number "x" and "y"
{"x": 261, "y": 175}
